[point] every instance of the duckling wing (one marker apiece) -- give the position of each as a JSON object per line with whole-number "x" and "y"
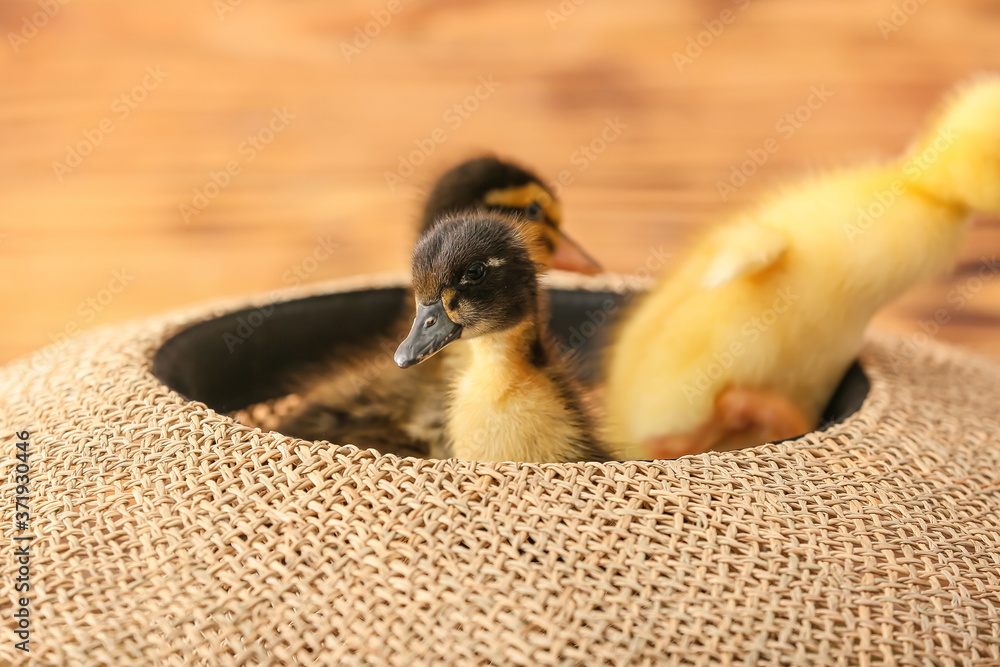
{"x": 742, "y": 250}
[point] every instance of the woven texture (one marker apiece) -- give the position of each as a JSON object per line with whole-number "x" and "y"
{"x": 168, "y": 534}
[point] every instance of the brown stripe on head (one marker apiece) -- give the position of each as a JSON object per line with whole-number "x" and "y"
{"x": 540, "y": 242}
{"x": 546, "y": 221}
{"x": 449, "y": 299}
{"x": 523, "y": 196}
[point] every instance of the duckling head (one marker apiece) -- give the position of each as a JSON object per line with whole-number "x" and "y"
{"x": 491, "y": 184}
{"x": 473, "y": 275}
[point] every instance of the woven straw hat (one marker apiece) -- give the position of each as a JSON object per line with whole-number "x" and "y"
{"x": 168, "y": 534}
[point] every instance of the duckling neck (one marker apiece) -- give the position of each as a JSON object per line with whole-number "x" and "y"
{"x": 509, "y": 356}
{"x": 509, "y": 405}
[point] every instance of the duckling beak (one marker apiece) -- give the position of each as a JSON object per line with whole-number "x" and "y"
{"x": 569, "y": 256}
{"x": 431, "y": 331}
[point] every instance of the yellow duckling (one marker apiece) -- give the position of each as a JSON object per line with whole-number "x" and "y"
{"x": 747, "y": 339}
{"x": 404, "y": 412}
{"x": 475, "y": 279}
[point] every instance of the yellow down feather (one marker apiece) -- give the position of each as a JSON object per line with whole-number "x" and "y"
{"x": 779, "y": 298}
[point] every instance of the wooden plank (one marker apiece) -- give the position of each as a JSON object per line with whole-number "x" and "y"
{"x": 555, "y": 85}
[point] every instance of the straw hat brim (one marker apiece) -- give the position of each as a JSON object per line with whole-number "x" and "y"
{"x": 166, "y": 533}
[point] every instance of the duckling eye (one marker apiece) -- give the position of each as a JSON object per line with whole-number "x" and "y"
{"x": 534, "y": 211}
{"x": 474, "y": 274}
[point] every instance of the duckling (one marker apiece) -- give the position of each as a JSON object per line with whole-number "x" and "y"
{"x": 359, "y": 400}
{"x": 475, "y": 279}
{"x": 747, "y": 339}
{"x": 497, "y": 185}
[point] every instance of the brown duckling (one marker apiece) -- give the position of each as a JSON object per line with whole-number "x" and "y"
{"x": 475, "y": 278}
{"x": 492, "y": 184}
{"x": 357, "y": 399}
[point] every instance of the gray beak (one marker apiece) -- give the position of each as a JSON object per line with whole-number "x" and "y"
{"x": 431, "y": 331}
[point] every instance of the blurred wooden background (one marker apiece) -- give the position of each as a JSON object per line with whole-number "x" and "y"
{"x": 114, "y": 115}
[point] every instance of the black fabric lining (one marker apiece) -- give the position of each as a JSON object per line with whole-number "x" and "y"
{"x": 246, "y": 356}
